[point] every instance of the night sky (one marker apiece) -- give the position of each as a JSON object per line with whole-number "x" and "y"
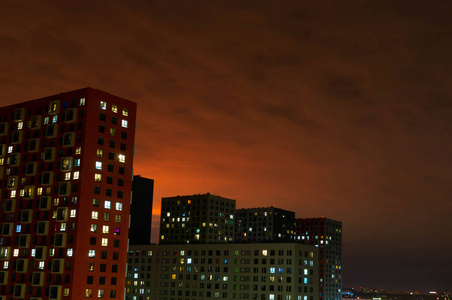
{"x": 339, "y": 109}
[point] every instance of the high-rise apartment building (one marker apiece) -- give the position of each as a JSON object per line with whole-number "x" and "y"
{"x": 264, "y": 224}
{"x": 141, "y": 211}
{"x": 269, "y": 271}
{"x": 326, "y": 234}
{"x": 65, "y": 180}
{"x": 199, "y": 219}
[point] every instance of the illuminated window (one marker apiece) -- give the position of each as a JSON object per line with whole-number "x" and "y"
{"x": 124, "y": 123}
{"x": 118, "y": 206}
{"x": 103, "y": 105}
{"x": 100, "y": 293}
{"x": 94, "y": 215}
{"x": 107, "y": 204}
{"x": 70, "y": 252}
{"x": 93, "y": 227}
{"x": 105, "y": 229}
{"x": 77, "y": 162}
{"x": 91, "y": 253}
{"x": 76, "y": 175}
{"x": 98, "y": 165}
{"x": 122, "y": 158}
{"x": 125, "y": 112}
{"x": 66, "y": 292}
{"x": 104, "y": 242}
{"x": 10, "y": 149}
{"x": 97, "y": 177}
{"x": 78, "y": 150}
{"x": 55, "y": 119}
{"x": 20, "y": 125}
{"x": 106, "y": 217}
{"x": 118, "y": 218}
{"x": 112, "y": 132}
{"x": 82, "y": 101}
{"x": 100, "y": 153}
{"x": 67, "y": 176}
{"x": 73, "y": 213}
{"x": 114, "y": 108}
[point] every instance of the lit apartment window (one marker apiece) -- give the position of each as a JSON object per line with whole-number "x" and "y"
{"x": 98, "y": 165}
{"x": 103, "y": 105}
{"x": 100, "y": 153}
{"x": 91, "y": 253}
{"x": 100, "y": 293}
{"x": 76, "y": 175}
{"x": 82, "y": 101}
{"x": 125, "y": 112}
{"x": 104, "y": 242}
{"x": 122, "y": 158}
{"x": 118, "y": 218}
{"x": 54, "y": 119}
{"x": 97, "y": 177}
{"x": 78, "y": 150}
{"x": 70, "y": 252}
{"x": 112, "y": 132}
{"x": 114, "y": 108}
{"x": 67, "y": 176}
{"x": 118, "y": 206}
{"x": 107, "y": 204}
{"x": 73, "y": 213}
{"x": 93, "y": 227}
{"x": 66, "y": 292}
{"x": 105, "y": 229}
{"x": 94, "y": 215}
{"x": 124, "y": 123}
{"x": 77, "y": 162}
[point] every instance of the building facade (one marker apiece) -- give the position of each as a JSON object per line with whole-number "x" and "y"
{"x": 197, "y": 219}
{"x": 65, "y": 176}
{"x": 264, "y": 224}
{"x": 141, "y": 211}
{"x": 273, "y": 271}
{"x": 326, "y": 234}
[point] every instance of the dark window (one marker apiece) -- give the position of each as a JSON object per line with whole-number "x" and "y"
{"x": 108, "y": 192}
{"x": 103, "y": 267}
{"x": 114, "y": 120}
{"x": 102, "y": 117}
{"x": 90, "y": 279}
{"x": 121, "y": 182}
{"x": 123, "y": 147}
{"x": 100, "y": 140}
{"x": 111, "y": 155}
{"x": 123, "y": 135}
{"x": 97, "y": 190}
{"x": 119, "y": 194}
{"x": 92, "y": 240}
{"x": 103, "y": 255}
{"x": 110, "y": 168}
{"x": 121, "y": 170}
{"x": 115, "y": 243}
{"x": 102, "y": 128}
{"x": 102, "y": 280}
{"x": 115, "y": 255}
{"x": 113, "y": 281}
{"x": 114, "y": 268}
{"x": 112, "y": 144}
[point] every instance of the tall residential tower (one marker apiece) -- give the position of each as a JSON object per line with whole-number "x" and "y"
{"x": 326, "y": 234}
{"x": 199, "y": 219}
{"x": 65, "y": 175}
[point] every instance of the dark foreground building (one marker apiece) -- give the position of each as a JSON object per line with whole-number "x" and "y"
{"x": 141, "y": 211}
{"x": 65, "y": 180}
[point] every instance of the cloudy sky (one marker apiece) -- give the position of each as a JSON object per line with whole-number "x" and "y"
{"x": 339, "y": 109}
